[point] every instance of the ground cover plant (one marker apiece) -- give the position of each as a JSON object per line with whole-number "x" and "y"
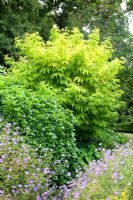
{"x": 25, "y": 175}
{"x": 109, "y": 178}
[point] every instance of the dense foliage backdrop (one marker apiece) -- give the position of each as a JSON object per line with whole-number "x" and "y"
{"x": 19, "y": 17}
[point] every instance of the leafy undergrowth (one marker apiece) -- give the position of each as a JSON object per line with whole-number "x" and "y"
{"x": 25, "y": 175}
{"x": 110, "y": 178}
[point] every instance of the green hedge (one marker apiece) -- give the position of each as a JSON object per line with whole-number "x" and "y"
{"x": 44, "y": 123}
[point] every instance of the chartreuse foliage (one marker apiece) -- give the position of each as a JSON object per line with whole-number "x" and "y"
{"x": 81, "y": 73}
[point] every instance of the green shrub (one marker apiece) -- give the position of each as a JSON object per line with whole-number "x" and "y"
{"x": 44, "y": 123}
{"x": 81, "y": 72}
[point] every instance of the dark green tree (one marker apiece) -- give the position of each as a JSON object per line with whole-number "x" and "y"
{"x": 18, "y": 17}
